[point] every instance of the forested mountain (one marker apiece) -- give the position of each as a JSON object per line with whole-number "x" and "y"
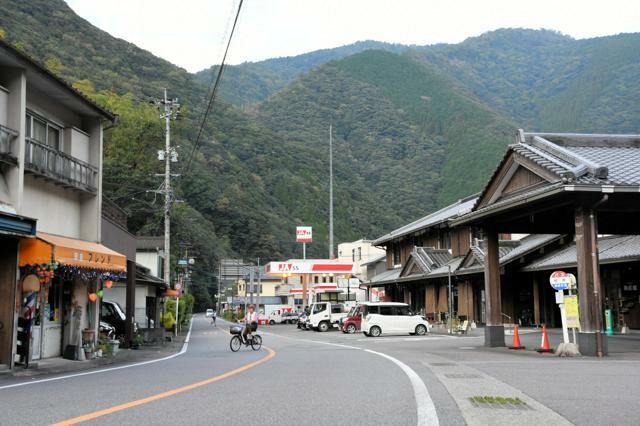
{"x": 414, "y": 127}
{"x": 252, "y": 82}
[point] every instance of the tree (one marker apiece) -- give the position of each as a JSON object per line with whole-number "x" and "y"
{"x": 54, "y": 64}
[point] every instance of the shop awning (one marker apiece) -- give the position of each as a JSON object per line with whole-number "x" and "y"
{"x": 46, "y": 248}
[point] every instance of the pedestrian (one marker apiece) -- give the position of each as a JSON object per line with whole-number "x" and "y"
{"x": 213, "y": 319}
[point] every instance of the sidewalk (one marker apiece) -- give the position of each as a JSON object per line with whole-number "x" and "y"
{"x": 60, "y": 365}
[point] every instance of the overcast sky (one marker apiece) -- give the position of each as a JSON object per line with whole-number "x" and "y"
{"x": 190, "y": 33}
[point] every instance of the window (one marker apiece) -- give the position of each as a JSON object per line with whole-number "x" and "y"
{"x": 353, "y": 255}
{"x": 403, "y": 311}
{"x": 359, "y": 253}
{"x": 336, "y": 309}
{"x": 396, "y": 254}
{"x": 315, "y": 279}
{"x": 260, "y": 288}
{"x": 386, "y": 310}
{"x": 371, "y": 310}
{"x": 42, "y": 131}
{"x": 319, "y": 308}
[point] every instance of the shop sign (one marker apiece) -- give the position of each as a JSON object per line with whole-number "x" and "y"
{"x": 561, "y": 280}
{"x": 571, "y": 311}
{"x": 304, "y": 234}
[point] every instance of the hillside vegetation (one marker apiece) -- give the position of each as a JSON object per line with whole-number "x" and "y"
{"x": 414, "y": 127}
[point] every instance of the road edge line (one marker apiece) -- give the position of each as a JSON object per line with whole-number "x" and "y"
{"x": 426, "y": 409}
{"x": 108, "y": 369}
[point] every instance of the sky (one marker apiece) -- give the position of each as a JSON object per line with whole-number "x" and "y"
{"x": 192, "y": 33}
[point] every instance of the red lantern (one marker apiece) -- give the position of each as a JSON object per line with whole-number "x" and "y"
{"x": 108, "y": 283}
{"x": 93, "y": 297}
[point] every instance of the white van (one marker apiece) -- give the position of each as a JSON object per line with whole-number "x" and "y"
{"x": 392, "y": 318}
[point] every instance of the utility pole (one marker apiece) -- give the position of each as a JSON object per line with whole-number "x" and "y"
{"x": 169, "y": 155}
{"x": 219, "y": 284}
{"x": 331, "y": 255}
{"x": 258, "y": 290}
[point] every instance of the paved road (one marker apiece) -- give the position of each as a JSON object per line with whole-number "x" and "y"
{"x": 304, "y": 377}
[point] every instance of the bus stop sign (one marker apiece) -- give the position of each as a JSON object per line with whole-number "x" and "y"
{"x": 561, "y": 280}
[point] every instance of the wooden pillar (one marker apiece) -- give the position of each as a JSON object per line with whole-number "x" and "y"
{"x": 494, "y": 330}
{"x": 536, "y": 301}
{"x": 130, "y": 302}
{"x": 591, "y": 339}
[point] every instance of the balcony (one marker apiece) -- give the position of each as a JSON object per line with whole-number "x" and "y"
{"x": 7, "y": 136}
{"x": 60, "y": 168}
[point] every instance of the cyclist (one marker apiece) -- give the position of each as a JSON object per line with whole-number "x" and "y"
{"x": 250, "y": 321}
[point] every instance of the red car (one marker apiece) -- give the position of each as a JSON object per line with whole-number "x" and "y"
{"x": 351, "y": 323}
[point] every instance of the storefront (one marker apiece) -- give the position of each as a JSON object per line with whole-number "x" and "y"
{"x": 61, "y": 284}
{"x": 13, "y": 229}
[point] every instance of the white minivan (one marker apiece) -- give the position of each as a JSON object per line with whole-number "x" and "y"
{"x": 392, "y": 318}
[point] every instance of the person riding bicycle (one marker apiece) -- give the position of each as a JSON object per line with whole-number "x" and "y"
{"x": 250, "y": 321}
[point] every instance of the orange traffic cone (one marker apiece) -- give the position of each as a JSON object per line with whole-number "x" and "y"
{"x": 516, "y": 339}
{"x": 544, "y": 345}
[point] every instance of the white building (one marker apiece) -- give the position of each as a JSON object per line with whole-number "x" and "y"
{"x": 359, "y": 253}
{"x": 51, "y": 175}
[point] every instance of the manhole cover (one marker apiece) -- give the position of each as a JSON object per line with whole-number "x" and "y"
{"x": 499, "y": 403}
{"x": 442, "y": 364}
{"x": 462, "y": 376}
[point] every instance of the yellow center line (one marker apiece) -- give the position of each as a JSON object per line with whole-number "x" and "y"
{"x": 138, "y": 402}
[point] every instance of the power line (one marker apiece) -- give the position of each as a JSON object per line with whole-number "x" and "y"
{"x": 214, "y": 91}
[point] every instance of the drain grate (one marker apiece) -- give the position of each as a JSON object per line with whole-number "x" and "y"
{"x": 462, "y": 376}
{"x": 442, "y": 364}
{"x": 499, "y": 403}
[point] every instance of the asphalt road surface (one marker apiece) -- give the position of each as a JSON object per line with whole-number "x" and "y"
{"x": 311, "y": 378}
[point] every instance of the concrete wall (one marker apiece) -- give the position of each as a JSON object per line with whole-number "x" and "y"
{"x": 364, "y": 253}
{"x": 58, "y": 210}
{"x": 150, "y": 260}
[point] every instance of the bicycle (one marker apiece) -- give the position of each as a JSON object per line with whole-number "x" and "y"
{"x": 255, "y": 341}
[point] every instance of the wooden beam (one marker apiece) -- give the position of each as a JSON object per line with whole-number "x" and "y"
{"x": 536, "y": 300}
{"x": 494, "y": 329}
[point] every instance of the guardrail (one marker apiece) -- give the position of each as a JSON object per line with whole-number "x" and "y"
{"x": 7, "y": 136}
{"x": 60, "y": 167}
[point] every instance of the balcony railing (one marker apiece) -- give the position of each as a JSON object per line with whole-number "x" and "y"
{"x": 59, "y": 167}
{"x": 7, "y": 136}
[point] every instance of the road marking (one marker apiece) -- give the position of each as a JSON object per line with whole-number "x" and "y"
{"x": 427, "y": 414}
{"x": 138, "y": 402}
{"x": 426, "y": 410}
{"x": 106, "y": 370}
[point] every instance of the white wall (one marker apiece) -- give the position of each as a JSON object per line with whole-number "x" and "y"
{"x": 368, "y": 251}
{"x": 118, "y": 294}
{"x": 57, "y": 209}
{"x": 148, "y": 259}
{"x": 76, "y": 143}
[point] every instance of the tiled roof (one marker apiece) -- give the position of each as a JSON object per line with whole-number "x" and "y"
{"x": 150, "y": 243}
{"x": 610, "y": 249}
{"x": 577, "y": 161}
{"x": 510, "y": 251}
{"x": 452, "y": 211}
{"x": 388, "y": 275}
{"x": 374, "y": 260}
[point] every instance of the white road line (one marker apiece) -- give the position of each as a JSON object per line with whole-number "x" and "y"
{"x": 106, "y": 370}
{"x": 426, "y": 410}
{"x": 427, "y": 414}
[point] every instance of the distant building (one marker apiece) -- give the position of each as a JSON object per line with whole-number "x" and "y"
{"x": 359, "y": 253}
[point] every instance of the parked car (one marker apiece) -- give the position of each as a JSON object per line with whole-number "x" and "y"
{"x": 392, "y": 318}
{"x": 113, "y": 314}
{"x": 351, "y": 323}
{"x": 325, "y": 315}
{"x": 290, "y": 318}
{"x": 209, "y": 313}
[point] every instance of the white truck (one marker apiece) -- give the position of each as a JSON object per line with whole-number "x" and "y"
{"x": 325, "y": 315}
{"x": 277, "y": 316}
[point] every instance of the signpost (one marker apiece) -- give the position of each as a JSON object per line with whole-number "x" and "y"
{"x": 568, "y": 304}
{"x": 304, "y": 235}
